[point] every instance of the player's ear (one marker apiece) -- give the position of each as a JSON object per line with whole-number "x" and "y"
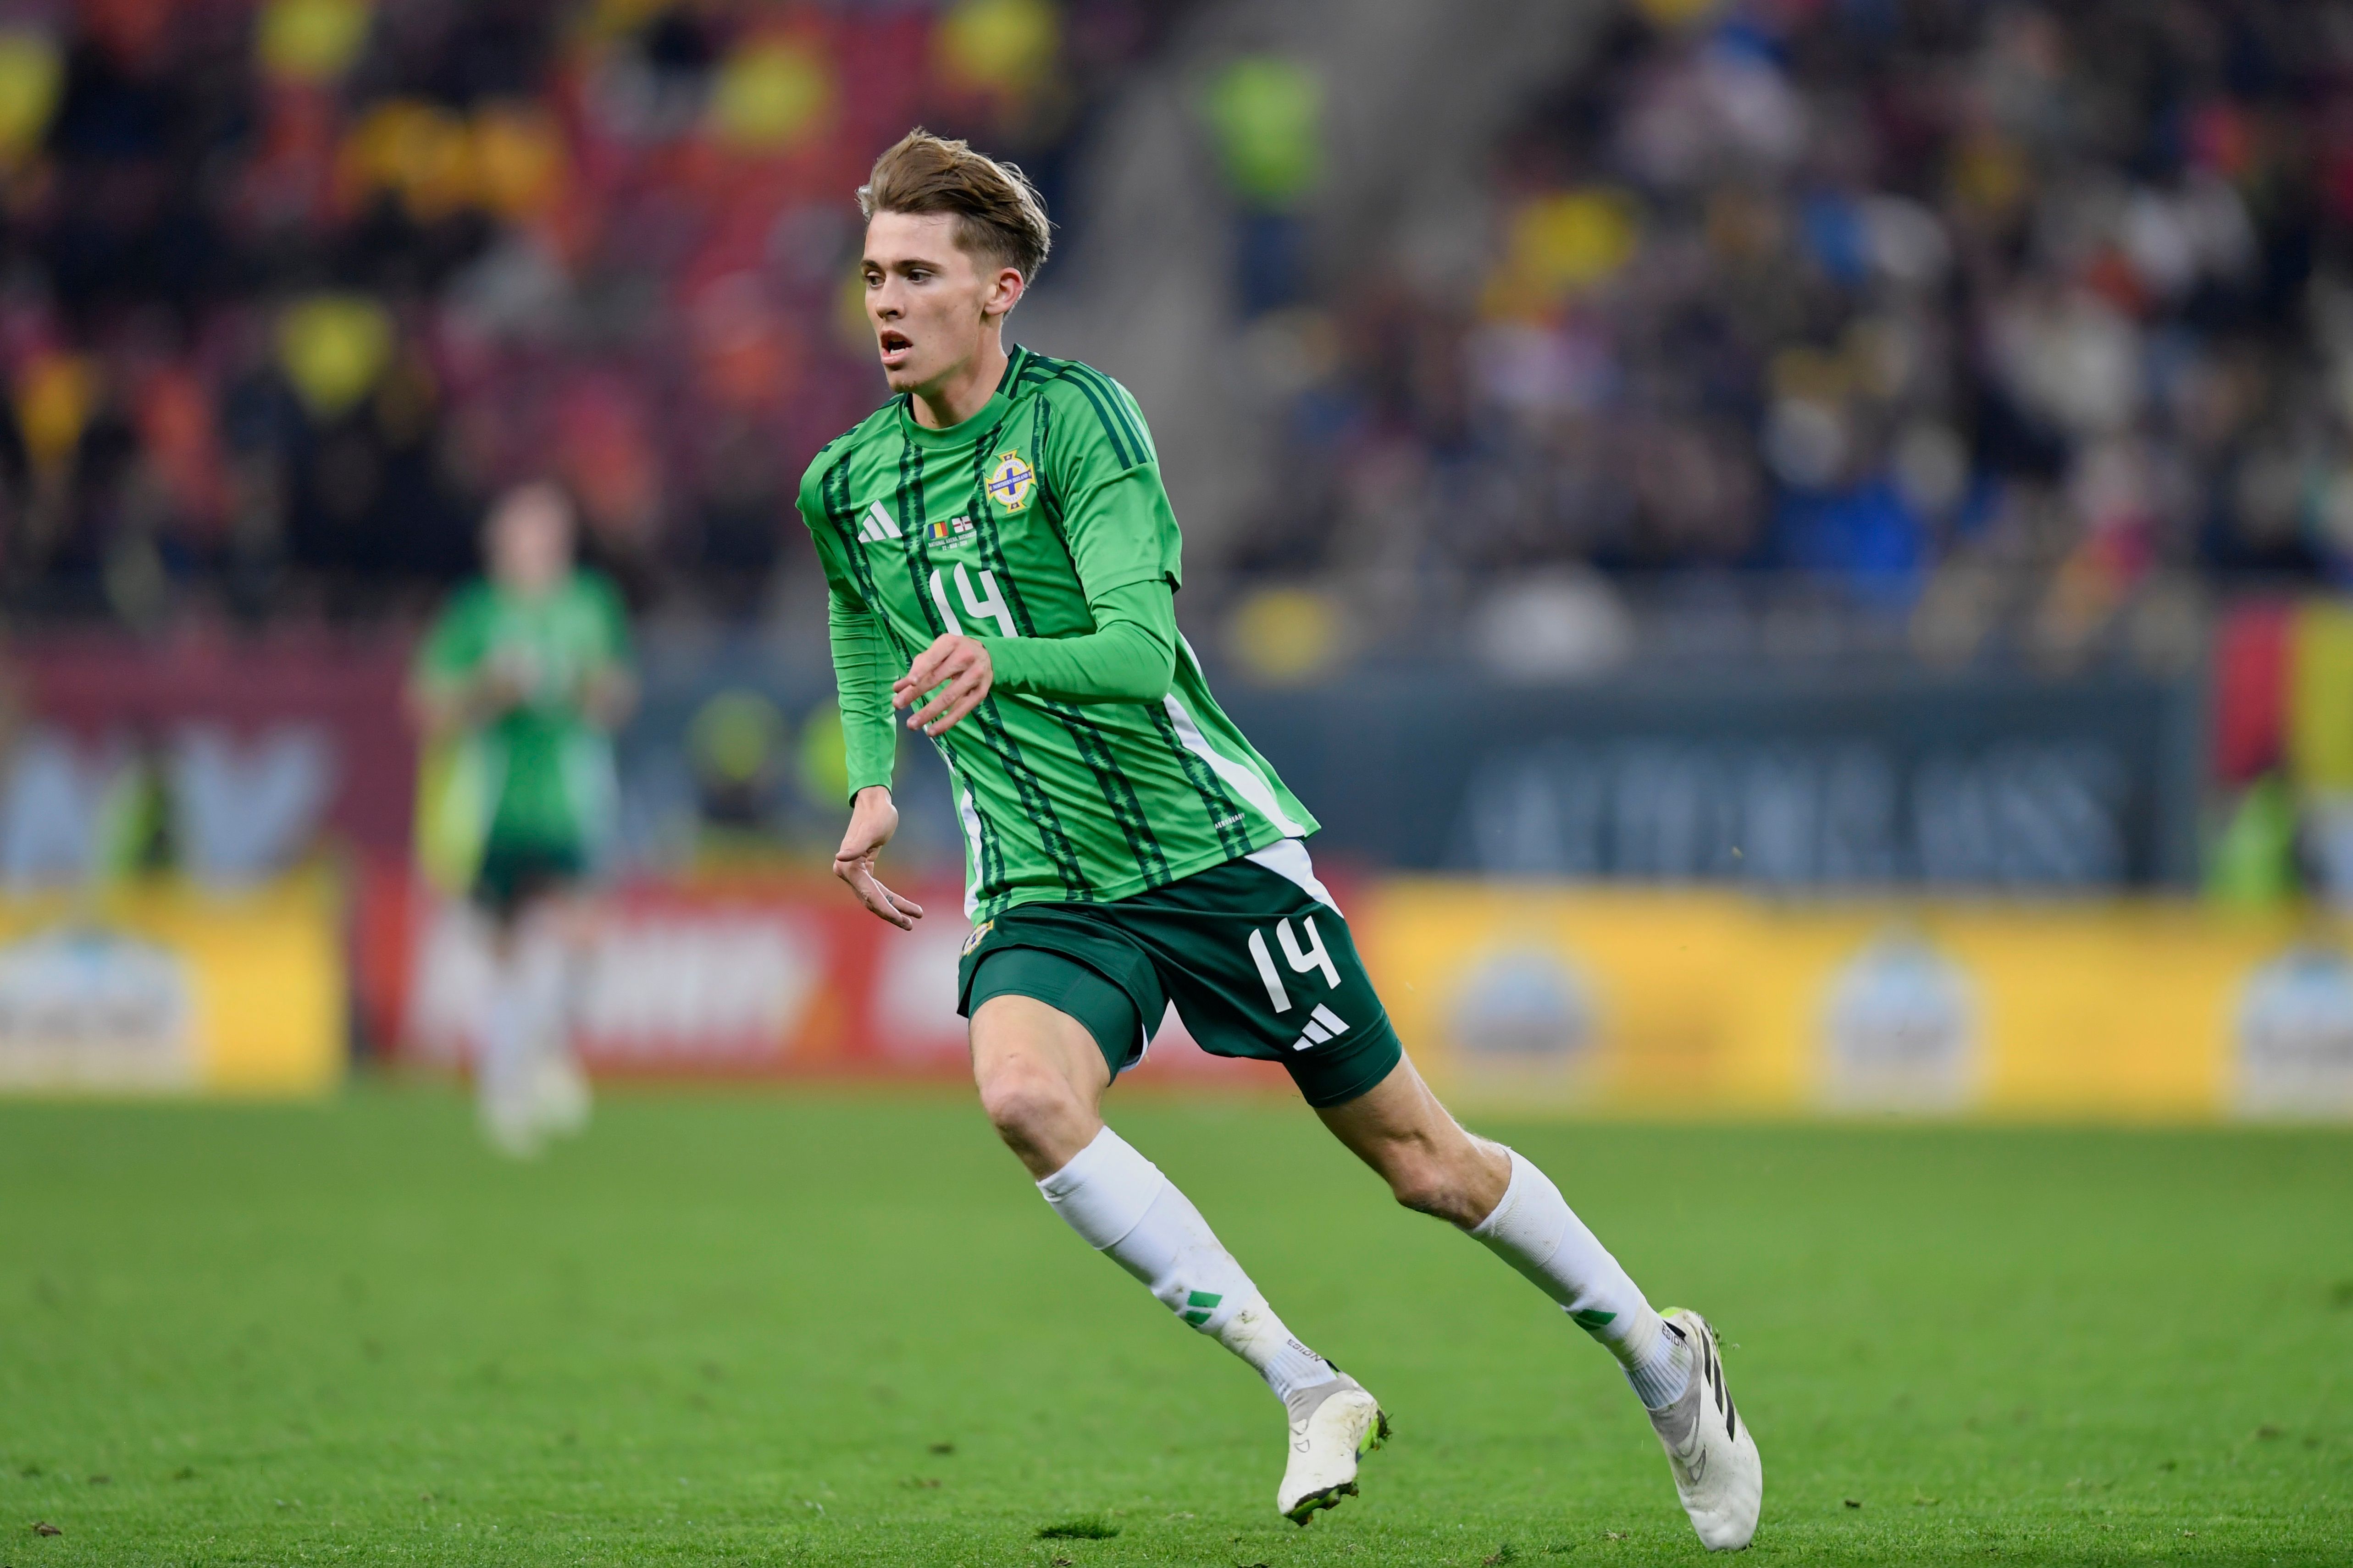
{"x": 1005, "y": 291}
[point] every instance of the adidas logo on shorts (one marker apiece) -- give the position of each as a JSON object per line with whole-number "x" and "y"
{"x": 1322, "y": 1025}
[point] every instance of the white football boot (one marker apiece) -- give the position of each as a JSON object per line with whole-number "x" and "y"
{"x": 506, "y": 1099}
{"x": 562, "y": 1098}
{"x": 509, "y": 1119}
{"x": 1332, "y": 1424}
{"x": 1718, "y": 1475}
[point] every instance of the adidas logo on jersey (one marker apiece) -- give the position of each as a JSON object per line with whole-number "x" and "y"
{"x": 1322, "y": 1025}
{"x": 877, "y": 524}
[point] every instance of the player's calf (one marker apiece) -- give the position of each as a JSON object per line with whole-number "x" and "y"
{"x": 1455, "y": 1186}
{"x": 1431, "y": 1166}
{"x": 1503, "y": 1201}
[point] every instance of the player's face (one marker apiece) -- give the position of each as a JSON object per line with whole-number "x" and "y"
{"x": 930, "y": 301}
{"x": 531, "y": 541}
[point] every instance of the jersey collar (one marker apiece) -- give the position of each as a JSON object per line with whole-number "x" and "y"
{"x": 970, "y": 429}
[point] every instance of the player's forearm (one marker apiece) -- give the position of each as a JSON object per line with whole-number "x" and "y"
{"x": 862, "y": 673}
{"x": 1130, "y": 656}
{"x": 608, "y": 696}
{"x": 444, "y": 707}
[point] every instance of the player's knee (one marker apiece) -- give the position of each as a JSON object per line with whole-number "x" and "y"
{"x": 1025, "y": 1102}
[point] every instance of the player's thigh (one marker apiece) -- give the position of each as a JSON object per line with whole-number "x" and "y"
{"x": 1076, "y": 961}
{"x": 1017, "y": 1037}
{"x": 1259, "y": 967}
{"x": 1035, "y": 1011}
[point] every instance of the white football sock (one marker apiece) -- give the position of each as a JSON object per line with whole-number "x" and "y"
{"x": 1258, "y": 1336}
{"x": 505, "y": 1062}
{"x": 547, "y": 987}
{"x": 540, "y": 976}
{"x": 1122, "y": 1205}
{"x": 1534, "y": 1231}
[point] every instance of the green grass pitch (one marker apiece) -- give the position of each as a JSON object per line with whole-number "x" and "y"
{"x": 842, "y": 1327}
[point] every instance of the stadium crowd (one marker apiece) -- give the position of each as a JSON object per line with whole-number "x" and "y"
{"x": 1936, "y": 300}
{"x": 288, "y": 289}
{"x": 1941, "y": 301}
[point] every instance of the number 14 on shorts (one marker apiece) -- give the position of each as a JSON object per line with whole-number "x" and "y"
{"x": 1309, "y": 959}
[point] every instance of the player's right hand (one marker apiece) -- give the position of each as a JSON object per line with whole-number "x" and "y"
{"x": 872, "y": 820}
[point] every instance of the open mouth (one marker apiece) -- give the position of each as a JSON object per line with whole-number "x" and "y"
{"x": 895, "y": 345}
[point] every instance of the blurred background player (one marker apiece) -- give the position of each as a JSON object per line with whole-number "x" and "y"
{"x": 518, "y": 688}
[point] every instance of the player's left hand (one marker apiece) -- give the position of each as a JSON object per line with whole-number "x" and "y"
{"x": 872, "y": 820}
{"x": 959, "y": 667}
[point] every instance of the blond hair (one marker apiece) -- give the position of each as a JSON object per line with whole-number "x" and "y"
{"x": 1000, "y": 217}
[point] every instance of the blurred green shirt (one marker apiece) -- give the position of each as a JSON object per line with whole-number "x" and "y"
{"x": 540, "y": 773}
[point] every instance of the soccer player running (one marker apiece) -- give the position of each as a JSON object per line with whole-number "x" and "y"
{"x": 1002, "y": 559}
{"x": 518, "y": 688}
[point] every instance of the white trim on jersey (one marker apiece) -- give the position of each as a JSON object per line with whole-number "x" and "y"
{"x": 1245, "y": 779}
{"x": 970, "y": 818}
{"x": 1288, "y": 858}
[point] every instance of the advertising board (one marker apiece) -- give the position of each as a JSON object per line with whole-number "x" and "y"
{"x": 171, "y": 989}
{"x": 721, "y": 978}
{"x": 1532, "y": 997}
{"x": 1680, "y": 1002}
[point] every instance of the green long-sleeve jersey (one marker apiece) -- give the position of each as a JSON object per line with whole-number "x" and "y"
{"x": 1035, "y": 518}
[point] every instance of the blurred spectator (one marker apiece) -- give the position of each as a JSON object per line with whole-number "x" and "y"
{"x": 289, "y": 287}
{"x": 2057, "y": 296}
{"x": 1265, "y": 116}
{"x": 2006, "y": 314}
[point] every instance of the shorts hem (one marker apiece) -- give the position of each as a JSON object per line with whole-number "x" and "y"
{"x": 1370, "y": 1065}
{"x": 1035, "y": 994}
{"x": 964, "y": 997}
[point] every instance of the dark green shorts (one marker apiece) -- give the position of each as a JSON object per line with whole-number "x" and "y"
{"x": 514, "y": 874}
{"x": 1257, "y": 965}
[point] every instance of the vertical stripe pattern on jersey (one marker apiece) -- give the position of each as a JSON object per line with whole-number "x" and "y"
{"x": 1041, "y": 431}
{"x": 1127, "y": 441}
{"x": 917, "y": 553}
{"x": 834, "y": 488}
{"x": 1115, "y": 401}
{"x": 1245, "y": 779}
{"x": 1225, "y": 817}
{"x": 1036, "y": 804}
{"x": 1094, "y": 747}
{"x": 989, "y": 881}
{"x": 986, "y": 885}
{"x": 1094, "y": 750}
